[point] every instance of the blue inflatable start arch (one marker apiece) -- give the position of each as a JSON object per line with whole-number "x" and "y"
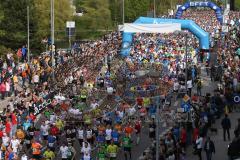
{"x": 208, "y": 4}
{"x": 185, "y": 25}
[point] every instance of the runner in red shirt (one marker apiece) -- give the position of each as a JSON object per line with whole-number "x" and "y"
{"x": 183, "y": 138}
{"x": 14, "y": 123}
{"x": 138, "y": 130}
{"x": 1, "y": 134}
{"x": 8, "y": 127}
{"x": 54, "y": 131}
{"x": 128, "y": 129}
{"x": 139, "y": 102}
{"x": 143, "y": 113}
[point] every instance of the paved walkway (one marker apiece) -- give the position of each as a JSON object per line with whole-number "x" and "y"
{"x": 220, "y": 145}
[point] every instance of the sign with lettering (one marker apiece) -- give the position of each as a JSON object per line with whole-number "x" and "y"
{"x": 40, "y": 106}
{"x": 199, "y": 4}
{"x": 209, "y": 4}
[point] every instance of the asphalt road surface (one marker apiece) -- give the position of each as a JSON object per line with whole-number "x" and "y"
{"x": 145, "y": 142}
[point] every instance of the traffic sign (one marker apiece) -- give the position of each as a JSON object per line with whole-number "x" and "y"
{"x": 186, "y": 107}
{"x": 236, "y": 98}
{"x": 70, "y": 24}
{"x": 186, "y": 98}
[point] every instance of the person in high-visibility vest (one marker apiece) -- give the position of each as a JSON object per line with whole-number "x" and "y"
{"x": 83, "y": 95}
{"x": 48, "y": 154}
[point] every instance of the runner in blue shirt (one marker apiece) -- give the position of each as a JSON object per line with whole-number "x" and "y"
{"x": 26, "y": 125}
{"x": 152, "y": 110}
{"x": 100, "y": 139}
{"x": 51, "y": 141}
{"x": 115, "y": 137}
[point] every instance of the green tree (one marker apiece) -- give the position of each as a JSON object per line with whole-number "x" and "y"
{"x": 237, "y": 2}
{"x": 116, "y": 11}
{"x": 136, "y": 8}
{"x": 13, "y": 23}
{"x": 96, "y": 19}
{"x": 96, "y": 14}
{"x": 62, "y": 11}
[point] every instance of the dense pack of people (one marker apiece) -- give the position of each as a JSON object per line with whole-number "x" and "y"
{"x": 34, "y": 115}
{"x": 207, "y": 108}
{"x": 205, "y": 18}
{"x": 75, "y": 108}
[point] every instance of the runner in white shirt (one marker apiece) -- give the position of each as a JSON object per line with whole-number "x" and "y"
{"x": 24, "y": 157}
{"x": 131, "y": 111}
{"x": 175, "y": 86}
{"x": 15, "y": 144}
{"x": 108, "y": 134}
{"x": 64, "y": 152}
{"x": 89, "y": 134}
{"x": 94, "y": 105}
{"x": 86, "y": 150}
{"x": 189, "y": 86}
{"x": 199, "y": 145}
{"x": 80, "y": 135}
{"x": 44, "y": 130}
{"x": 52, "y": 118}
{"x": 5, "y": 140}
{"x": 36, "y": 79}
{"x": 120, "y": 114}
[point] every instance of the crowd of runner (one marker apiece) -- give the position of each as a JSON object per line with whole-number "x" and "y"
{"x": 206, "y": 108}
{"x": 42, "y": 121}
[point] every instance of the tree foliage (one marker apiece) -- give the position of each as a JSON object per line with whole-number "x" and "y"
{"x": 62, "y": 11}
{"x": 97, "y": 14}
{"x": 237, "y": 4}
{"x": 13, "y": 21}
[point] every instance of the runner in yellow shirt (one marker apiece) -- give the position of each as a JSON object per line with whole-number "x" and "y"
{"x": 59, "y": 124}
{"x": 146, "y": 101}
{"x": 48, "y": 154}
{"x": 112, "y": 151}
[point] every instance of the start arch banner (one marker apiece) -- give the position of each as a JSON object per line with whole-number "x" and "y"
{"x": 208, "y": 4}
{"x": 189, "y": 25}
{"x": 151, "y": 28}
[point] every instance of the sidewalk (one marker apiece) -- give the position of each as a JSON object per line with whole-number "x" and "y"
{"x": 220, "y": 145}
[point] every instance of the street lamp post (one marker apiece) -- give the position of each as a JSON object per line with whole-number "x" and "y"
{"x": 52, "y": 36}
{"x": 28, "y": 41}
{"x": 186, "y": 62}
{"x": 154, "y": 8}
{"x": 157, "y": 127}
{"x": 123, "y": 11}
